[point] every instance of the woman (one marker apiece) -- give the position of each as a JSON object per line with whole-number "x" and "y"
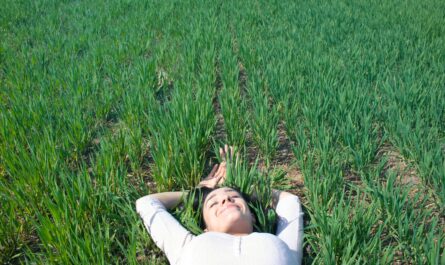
{"x": 229, "y": 236}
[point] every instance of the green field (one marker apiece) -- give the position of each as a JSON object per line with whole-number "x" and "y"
{"x": 102, "y": 102}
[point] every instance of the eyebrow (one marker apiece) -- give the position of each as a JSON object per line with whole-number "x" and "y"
{"x": 214, "y": 194}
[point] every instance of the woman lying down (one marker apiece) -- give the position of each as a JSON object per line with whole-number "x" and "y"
{"x": 228, "y": 236}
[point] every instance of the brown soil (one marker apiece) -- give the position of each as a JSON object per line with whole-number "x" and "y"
{"x": 296, "y": 178}
{"x": 242, "y": 78}
{"x": 220, "y": 131}
{"x": 284, "y": 159}
{"x": 284, "y": 154}
{"x": 407, "y": 176}
{"x": 406, "y": 173}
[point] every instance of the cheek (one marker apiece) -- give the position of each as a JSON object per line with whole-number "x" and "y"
{"x": 207, "y": 218}
{"x": 246, "y": 207}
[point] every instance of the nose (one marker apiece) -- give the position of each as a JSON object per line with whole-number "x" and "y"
{"x": 226, "y": 198}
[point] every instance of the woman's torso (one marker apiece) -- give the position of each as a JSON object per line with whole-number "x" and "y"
{"x": 219, "y": 248}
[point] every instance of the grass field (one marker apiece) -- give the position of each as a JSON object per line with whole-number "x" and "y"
{"x": 102, "y": 102}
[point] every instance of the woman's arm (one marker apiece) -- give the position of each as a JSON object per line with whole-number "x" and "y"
{"x": 277, "y": 195}
{"x": 290, "y": 221}
{"x": 169, "y": 199}
{"x": 168, "y": 234}
{"x": 217, "y": 176}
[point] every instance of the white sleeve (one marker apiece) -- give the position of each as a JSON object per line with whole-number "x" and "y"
{"x": 168, "y": 234}
{"x": 290, "y": 224}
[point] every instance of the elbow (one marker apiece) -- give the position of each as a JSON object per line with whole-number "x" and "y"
{"x": 141, "y": 202}
{"x": 148, "y": 202}
{"x": 138, "y": 204}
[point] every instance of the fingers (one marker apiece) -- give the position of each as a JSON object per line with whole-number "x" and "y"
{"x": 222, "y": 154}
{"x": 227, "y": 152}
{"x": 220, "y": 181}
{"x": 221, "y": 173}
{"x": 210, "y": 183}
{"x": 232, "y": 152}
{"x": 212, "y": 173}
{"x": 221, "y": 170}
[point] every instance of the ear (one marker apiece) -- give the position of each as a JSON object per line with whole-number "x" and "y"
{"x": 253, "y": 218}
{"x": 206, "y": 230}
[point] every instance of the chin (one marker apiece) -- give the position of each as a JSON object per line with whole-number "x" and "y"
{"x": 237, "y": 221}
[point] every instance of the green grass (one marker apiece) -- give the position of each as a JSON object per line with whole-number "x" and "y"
{"x": 99, "y": 99}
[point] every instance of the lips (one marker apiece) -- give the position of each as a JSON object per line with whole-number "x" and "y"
{"x": 230, "y": 206}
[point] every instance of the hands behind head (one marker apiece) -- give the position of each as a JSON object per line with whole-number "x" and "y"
{"x": 218, "y": 174}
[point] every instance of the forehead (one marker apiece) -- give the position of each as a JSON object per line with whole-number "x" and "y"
{"x": 220, "y": 191}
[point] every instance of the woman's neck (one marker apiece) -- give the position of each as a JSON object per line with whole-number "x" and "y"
{"x": 239, "y": 234}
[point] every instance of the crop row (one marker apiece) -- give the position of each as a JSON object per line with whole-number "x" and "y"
{"x": 104, "y": 102}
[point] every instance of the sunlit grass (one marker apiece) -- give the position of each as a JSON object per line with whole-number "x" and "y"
{"x": 99, "y": 98}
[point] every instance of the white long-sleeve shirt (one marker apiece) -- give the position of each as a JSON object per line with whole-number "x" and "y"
{"x": 183, "y": 248}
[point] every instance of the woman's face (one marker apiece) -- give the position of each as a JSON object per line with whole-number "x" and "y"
{"x": 225, "y": 211}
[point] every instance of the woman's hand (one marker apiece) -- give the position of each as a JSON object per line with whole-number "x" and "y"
{"x": 219, "y": 172}
{"x": 216, "y": 177}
